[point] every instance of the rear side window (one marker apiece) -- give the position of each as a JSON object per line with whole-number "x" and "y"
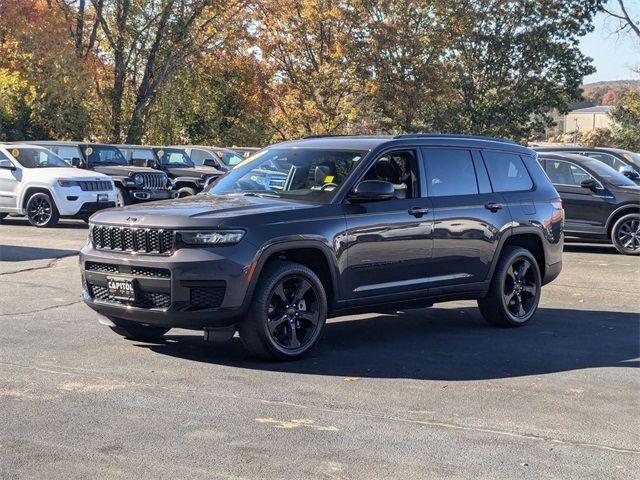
{"x": 450, "y": 171}
{"x": 507, "y": 172}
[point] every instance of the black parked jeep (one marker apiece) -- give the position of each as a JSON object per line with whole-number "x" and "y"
{"x": 188, "y": 179}
{"x": 133, "y": 183}
{"x": 360, "y": 224}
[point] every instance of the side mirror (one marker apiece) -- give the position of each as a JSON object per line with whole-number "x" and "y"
{"x": 628, "y": 172}
{"x": 589, "y": 183}
{"x": 151, "y": 163}
{"x": 76, "y": 162}
{"x": 371, "y": 191}
{"x": 209, "y": 162}
{"x": 7, "y": 165}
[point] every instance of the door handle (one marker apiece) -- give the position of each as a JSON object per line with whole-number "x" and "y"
{"x": 493, "y": 206}
{"x": 418, "y": 211}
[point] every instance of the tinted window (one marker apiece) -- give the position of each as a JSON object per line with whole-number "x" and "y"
{"x": 199, "y": 156}
{"x": 507, "y": 172}
{"x": 37, "y": 158}
{"x": 67, "y": 152}
{"x": 141, "y": 154}
{"x": 174, "y": 157}
{"x": 450, "y": 172}
{"x": 104, "y": 155}
{"x": 564, "y": 173}
{"x": 613, "y": 162}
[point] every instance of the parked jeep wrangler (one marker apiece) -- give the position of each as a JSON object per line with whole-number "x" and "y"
{"x": 176, "y": 163}
{"x": 360, "y": 224}
{"x": 133, "y": 184}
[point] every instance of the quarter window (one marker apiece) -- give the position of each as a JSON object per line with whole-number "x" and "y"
{"x": 450, "y": 172}
{"x": 507, "y": 172}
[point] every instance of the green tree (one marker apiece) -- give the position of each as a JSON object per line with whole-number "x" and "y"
{"x": 626, "y": 118}
{"x": 513, "y": 62}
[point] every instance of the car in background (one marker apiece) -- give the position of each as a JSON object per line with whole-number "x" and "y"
{"x": 221, "y": 158}
{"x": 623, "y": 161}
{"x": 245, "y": 151}
{"x": 187, "y": 178}
{"x": 599, "y": 202}
{"x": 37, "y": 183}
{"x": 133, "y": 184}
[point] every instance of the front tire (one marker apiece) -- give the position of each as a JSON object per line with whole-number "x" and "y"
{"x": 625, "y": 234}
{"x": 514, "y": 293}
{"x": 287, "y": 313}
{"x": 3, "y": 216}
{"x": 122, "y": 197}
{"x": 134, "y": 331}
{"x": 42, "y": 211}
{"x": 186, "y": 192}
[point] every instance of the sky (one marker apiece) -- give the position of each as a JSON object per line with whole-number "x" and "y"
{"x": 613, "y": 55}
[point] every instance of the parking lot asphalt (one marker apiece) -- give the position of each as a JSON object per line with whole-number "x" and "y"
{"x": 432, "y": 393}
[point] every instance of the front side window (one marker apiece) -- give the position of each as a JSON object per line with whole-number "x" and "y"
{"x": 104, "y": 155}
{"x": 565, "y": 173}
{"x": 399, "y": 169}
{"x": 37, "y": 158}
{"x": 450, "y": 171}
{"x": 507, "y": 172}
{"x": 230, "y": 159}
{"x": 173, "y": 157}
{"x": 306, "y": 174}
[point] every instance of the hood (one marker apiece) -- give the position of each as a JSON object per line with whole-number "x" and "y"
{"x": 194, "y": 172}
{"x": 196, "y": 211}
{"x": 632, "y": 190}
{"x": 73, "y": 173}
{"x": 123, "y": 170}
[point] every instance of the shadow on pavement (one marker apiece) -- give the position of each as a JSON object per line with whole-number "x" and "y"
{"x": 605, "y": 248}
{"x": 14, "y": 253}
{"x": 63, "y": 223}
{"x": 444, "y": 344}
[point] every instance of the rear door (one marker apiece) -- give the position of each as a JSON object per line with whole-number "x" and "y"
{"x": 585, "y": 211}
{"x": 468, "y": 216}
{"x": 9, "y": 181}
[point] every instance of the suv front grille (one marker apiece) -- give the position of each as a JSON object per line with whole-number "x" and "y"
{"x": 154, "y": 181}
{"x": 135, "y": 240}
{"x": 125, "y": 270}
{"x": 95, "y": 186}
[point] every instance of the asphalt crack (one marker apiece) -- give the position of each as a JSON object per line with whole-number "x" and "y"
{"x": 52, "y": 263}
{"x": 51, "y": 307}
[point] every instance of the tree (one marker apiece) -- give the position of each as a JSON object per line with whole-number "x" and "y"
{"x": 626, "y": 118}
{"x": 307, "y": 49}
{"x": 621, "y": 11}
{"x": 513, "y": 62}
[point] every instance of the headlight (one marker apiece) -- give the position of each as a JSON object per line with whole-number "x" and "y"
{"x": 138, "y": 180}
{"x": 217, "y": 237}
{"x": 68, "y": 183}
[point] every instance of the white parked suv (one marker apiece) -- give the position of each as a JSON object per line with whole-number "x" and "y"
{"x": 37, "y": 183}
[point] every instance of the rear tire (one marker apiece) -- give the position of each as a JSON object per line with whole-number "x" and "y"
{"x": 134, "y": 331}
{"x": 287, "y": 314}
{"x": 42, "y": 211}
{"x": 514, "y": 294}
{"x": 3, "y": 216}
{"x": 625, "y": 234}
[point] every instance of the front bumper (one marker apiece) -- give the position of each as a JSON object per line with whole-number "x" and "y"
{"x": 193, "y": 288}
{"x": 151, "y": 195}
{"x": 74, "y": 202}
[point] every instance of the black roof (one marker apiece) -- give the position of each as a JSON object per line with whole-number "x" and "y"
{"x": 371, "y": 142}
{"x": 62, "y": 143}
{"x": 578, "y": 148}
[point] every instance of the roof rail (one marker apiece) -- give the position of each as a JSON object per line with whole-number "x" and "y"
{"x": 323, "y": 135}
{"x": 454, "y": 135}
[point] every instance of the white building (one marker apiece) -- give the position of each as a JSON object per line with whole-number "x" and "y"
{"x": 585, "y": 119}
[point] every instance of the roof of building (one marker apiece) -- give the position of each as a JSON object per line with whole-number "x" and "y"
{"x": 599, "y": 109}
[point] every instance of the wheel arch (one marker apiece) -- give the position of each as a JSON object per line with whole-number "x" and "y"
{"x": 313, "y": 254}
{"x": 30, "y": 191}
{"x": 526, "y": 237}
{"x": 619, "y": 213}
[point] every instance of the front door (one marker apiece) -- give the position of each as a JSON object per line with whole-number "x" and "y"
{"x": 585, "y": 211}
{"x": 9, "y": 180}
{"x": 389, "y": 242}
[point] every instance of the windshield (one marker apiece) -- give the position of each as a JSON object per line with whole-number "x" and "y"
{"x": 37, "y": 158}
{"x": 302, "y": 174}
{"x": 104, "y": 155}
{"x": 610, "y": 175}
{"x": 173, "y": 157}
{"x": 230, "y": 158}
{"x": 633, "y": 157}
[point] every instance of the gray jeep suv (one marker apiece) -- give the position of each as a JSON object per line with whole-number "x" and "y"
{"x": 357, "y": 224}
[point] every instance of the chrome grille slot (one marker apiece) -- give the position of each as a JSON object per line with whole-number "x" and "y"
{"x": 95, "y": 186}
{"x": 154, "y": 181}
{"x": 136, "y": 240}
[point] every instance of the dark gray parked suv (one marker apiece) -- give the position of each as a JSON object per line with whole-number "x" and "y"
{"x": 360, "y": 224}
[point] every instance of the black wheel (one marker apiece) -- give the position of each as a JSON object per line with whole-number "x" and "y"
{"x": 85, "y": 220}
{"x": 186, "y": 192}
{"x": 42, "y": 211}
{"x": 3, "y": 216}
{"x": 122, "y": 197}
{"x": 287, "y": 313}
{"x": 515, "y": 289}
{"x": 625, "y": 234}
{"x": 137, "y": 332}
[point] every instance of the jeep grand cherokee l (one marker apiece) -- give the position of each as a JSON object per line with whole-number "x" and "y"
{"x": 361, "y": 224}
{"x": 133, "y": 184}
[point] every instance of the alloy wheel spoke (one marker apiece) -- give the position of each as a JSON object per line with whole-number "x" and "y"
{"x": 522, "y": 271}
{"x": 301, "y": 291}
{"x": 279, "y": 292}
{"x": 273, "y": 324}
{"x": 511, "y": 273}
{"x": 520, "y": 306}
{"x": 311, "y": 317}
{"x": 509, "y": 296}
{"x": 530, "y": 288}
{"x": 293, "y": 336}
